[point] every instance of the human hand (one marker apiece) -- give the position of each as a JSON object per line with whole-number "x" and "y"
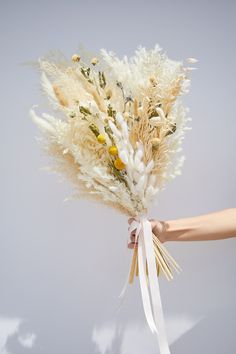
{"x": 158, "y": 229}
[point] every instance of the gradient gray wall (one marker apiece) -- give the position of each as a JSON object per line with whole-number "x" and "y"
{"x": 62, "y": 265}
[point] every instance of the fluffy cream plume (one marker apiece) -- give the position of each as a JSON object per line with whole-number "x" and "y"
{"x": 117, "y": 124}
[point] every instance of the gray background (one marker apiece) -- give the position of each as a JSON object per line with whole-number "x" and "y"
{"x": 63, "y": 264}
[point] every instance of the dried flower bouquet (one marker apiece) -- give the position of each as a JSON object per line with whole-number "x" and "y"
{"x": 117, "y": 129}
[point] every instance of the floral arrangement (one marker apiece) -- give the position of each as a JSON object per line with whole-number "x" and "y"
{"x": 116, "y": 132}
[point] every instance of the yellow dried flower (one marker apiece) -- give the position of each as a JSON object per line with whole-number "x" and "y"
{"x": 75, "y": 58}
{"x": 94, "y": 61}
{"x": 113, "y": 150}
{"x": 119, "y": 164}
{"x": 101, "y": 138}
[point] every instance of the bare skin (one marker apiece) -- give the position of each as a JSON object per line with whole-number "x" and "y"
{"x": 213, "y": 226}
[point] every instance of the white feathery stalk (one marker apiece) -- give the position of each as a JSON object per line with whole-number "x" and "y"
{"x": 137, "y": 172}
{"x": 48, "y": 89}
{"x": 43, "y": 125}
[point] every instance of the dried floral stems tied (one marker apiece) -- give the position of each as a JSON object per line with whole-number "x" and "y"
{"x": 117, "y": 126}
{"x": 165, "y": 263}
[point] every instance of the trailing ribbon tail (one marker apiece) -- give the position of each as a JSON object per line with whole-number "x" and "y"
{"x": 147, "y": 248}
{"x": 143, "y": 284}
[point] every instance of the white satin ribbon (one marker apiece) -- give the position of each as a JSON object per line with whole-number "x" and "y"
{"x": 149, "y": 286}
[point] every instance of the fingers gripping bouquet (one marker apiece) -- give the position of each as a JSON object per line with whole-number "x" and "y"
{"x": 115, "y": 132}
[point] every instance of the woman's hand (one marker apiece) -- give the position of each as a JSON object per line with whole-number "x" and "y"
{"x": 158, "y": 228}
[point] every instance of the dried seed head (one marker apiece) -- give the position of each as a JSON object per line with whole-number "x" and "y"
{"x": 94, "y": 61}
{"x": 155, "y": 141}
{"x": 153, "y": 80}
{"x": 75, "y": 58}
{"x": 108, "y": 93}
{"x": 72, "y": 114}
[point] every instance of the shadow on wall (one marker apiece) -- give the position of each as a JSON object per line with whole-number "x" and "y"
{"x": 203, "y": 335}
{"x": 108, "y": 338}
{"x": 206, "y": 337}
{"x": 117, "y": 338}
{"x": 14, "y": 336}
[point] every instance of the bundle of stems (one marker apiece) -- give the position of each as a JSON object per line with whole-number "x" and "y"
{"x": 164, "y": 261}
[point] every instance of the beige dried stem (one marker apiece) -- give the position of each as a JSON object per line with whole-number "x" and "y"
{"x": 164, "y": 261}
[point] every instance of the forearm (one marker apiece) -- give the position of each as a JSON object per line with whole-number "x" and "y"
{"x": 212, "y": 226}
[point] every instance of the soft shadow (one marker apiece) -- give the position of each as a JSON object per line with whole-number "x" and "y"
{"x": 214, "y": 334}
{"x": 124, "y": 338}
